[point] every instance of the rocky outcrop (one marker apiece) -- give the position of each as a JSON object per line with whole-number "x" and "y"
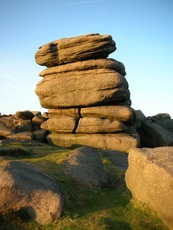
{"x": 29, "y": 193}
{"x": 149, "y": 177}
{"x": 86, "y": 93}
{"x": 156, "y": 131}
{"x": 23, "y": 125}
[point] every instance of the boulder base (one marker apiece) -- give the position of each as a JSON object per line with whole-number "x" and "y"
{"x": 119, "y": 141}
{"x": 149, "y": 177}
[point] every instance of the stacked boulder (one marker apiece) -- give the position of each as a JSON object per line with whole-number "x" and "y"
{"x": 86, "y": 93}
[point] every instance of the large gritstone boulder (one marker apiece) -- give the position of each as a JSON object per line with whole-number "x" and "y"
{"x": 65, "y": 50}
{"x": 29, "y": 193}
{"x": 149, "y": 177}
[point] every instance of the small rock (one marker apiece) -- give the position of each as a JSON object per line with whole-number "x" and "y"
{"x": 40, "y": 135}
{"x": 25, "y": 135}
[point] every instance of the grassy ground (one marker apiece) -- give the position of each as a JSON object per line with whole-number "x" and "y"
{"x": 86, "y": 209}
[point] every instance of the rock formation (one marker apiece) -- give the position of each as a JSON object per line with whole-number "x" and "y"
{"x": 29, "y": 193}
{"x": 86, "y": 93}
{"x": 156, "y": 131}
{"x": 149, "y": 177}
{"x": 23, "y": 125}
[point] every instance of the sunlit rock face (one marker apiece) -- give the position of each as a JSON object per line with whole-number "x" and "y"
{"x": 86, "y": 93}
{"x": 149, "y": 177}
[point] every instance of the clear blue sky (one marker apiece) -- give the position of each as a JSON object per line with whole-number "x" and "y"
{"x": 142, "y": 30}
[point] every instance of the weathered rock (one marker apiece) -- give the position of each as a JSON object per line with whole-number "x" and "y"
{"x": 40, "y": 135}
{"x": 85, "y": 166}
{"x": 119, "y": 113}
{"x": 9, "y": 121}
{"x": 154, "y": 135}
{"x": 166, "y": 124}
{"x": 24, "y": 115}
{"x": 107, "y": 64}
{"x": 74, "y": 112}
{"x": 84, "y": 47}
{"x": 117, "y": 158}
{"x": 4, "y": 131}
{"x": 149, "y": 177}
{"x": 74, "y": 89}
{"x": 45, "y": 115}
{"x": 25, "y": 135}
{"x": 36, "y": 113}
{"x": 161, "y": 116}
{"x": 29, "y": 193}
{"x": 65, "y": 124}
{"x": 37, "y": 120}
{"x": 119, "y": 141}
{"x": 23, "y": 125}
{"x": 99, "y": 125}
{"x": 139, "y": 117}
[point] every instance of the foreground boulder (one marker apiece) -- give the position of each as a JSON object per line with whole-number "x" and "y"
{"x": 85, "y": 166}
{"x": 29, "y": 193}
{"x": 149, "y": 177}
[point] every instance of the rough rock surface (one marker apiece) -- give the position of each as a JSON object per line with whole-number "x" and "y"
{"x": 115, "y": 112}
{"x": 86, "y": 93}
{"x": 107, "y": 64}
{"x": 85, "y": 166}
{"x": 5, "y": 131}
{"x": 29, "y": 193}
{"x": 23, "y": 125}
{"x": 117, "y": 158}
{"x": 60, "y": 124}
{"x": 99, "y": 125}
{"x": 74, "y": 89}
{"x": 149, "y": 177}
{"x": 119, "y": 141}
{"x": 24, "y": 114}
{"x": 25, "y": 135}
{"x": 73, "y": 112}
{"x": 65, "y": 50}
{"x": 40, "y": 135}
{"x": 154, "y": 135}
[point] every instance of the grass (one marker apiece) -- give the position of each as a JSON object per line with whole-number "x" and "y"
{"x": 109, "y": 208}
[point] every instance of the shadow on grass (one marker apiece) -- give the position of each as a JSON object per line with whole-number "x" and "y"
{"x": 115, "y": 225}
